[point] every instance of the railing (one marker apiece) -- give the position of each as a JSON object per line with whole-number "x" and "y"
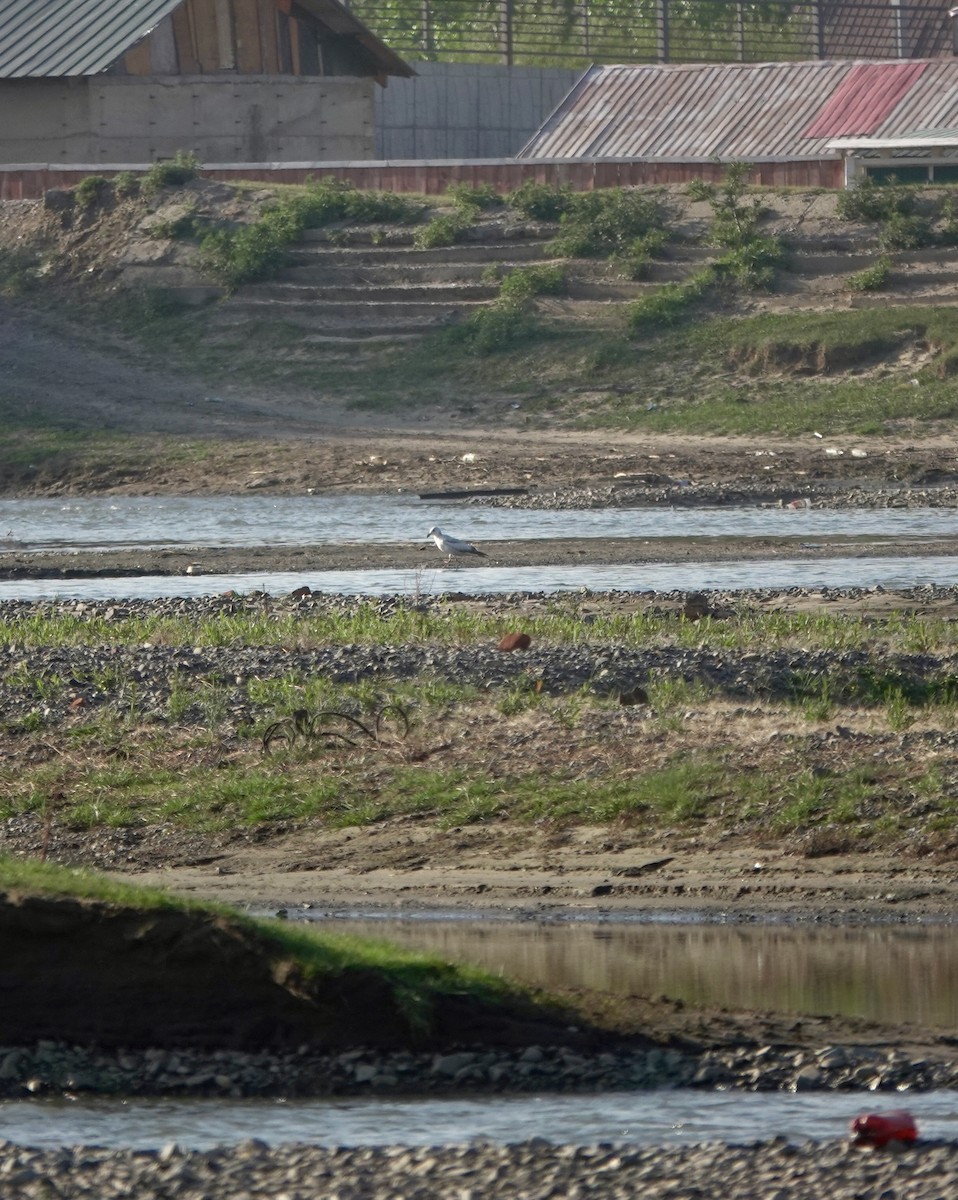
{"x": 570, "y": 33}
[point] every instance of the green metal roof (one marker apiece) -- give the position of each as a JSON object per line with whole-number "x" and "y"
{"x": 72, "y": 37}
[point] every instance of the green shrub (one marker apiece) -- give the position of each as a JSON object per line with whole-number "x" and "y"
{"x": 500, "y": 326}
{"x": 735, "y": 219}
{"x": 188, "y": 225}
{"x": 125, "y": 184}
{"x": 540, "y": 201}
{"x": 905, "y": 231}
{"x": 445, "y": 230}
{"x": 871, "y": 279}
{"x": 482, "y": 196}
{"x": 526, "y": 282}
{"x": 328, "y": 200}
{"x": 667, "y": 305}
{"x": 258, "y": 251}
{"x": 91, "y": 190}
{"x": 752, "y": 265}
{"x": 699, "y": 189}
{"x": 171, "y": 172}
{"x": 643, "y": 250}
{"x": 948, "y": 214}
{"x": 19, "y": 269}
{"x": 867, "y": 200}
{"x": 670, "y": 304}
{"x": 608, "y": 222}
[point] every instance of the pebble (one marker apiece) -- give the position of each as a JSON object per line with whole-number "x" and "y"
{"x": 774, "y": 1169}
{"x": 51, "y": 1067}
{"x": 102, "y": 674}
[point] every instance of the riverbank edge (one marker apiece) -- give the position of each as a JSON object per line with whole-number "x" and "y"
{"x": 51, "y": 1068}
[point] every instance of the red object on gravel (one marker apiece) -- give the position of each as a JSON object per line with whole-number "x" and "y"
{"x": 515, "y": 641}
{"x": 878, "y": 1129}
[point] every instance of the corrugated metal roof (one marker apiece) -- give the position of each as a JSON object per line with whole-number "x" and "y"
{"x": 62, "y": 38}
{"x": 72, "y": 37}
{"x": 743, "y": 111}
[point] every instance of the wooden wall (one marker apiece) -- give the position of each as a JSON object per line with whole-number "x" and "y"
{"x": 249, "y": 37}
{"x": 434, "y": 178}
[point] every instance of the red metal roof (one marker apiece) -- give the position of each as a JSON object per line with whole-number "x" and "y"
{"x": 864, "y": 99}
{"x": 744, "y": 111}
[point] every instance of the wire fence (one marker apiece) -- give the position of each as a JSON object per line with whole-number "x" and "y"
{"x": 569, "y": 33}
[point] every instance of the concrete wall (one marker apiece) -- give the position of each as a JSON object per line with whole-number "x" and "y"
{"x": 460, "y": 110}
{"x": 227, "y": 119}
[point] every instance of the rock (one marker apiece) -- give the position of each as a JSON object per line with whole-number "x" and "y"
{"x": 59, "y": 200}
{"x": 514, "y": 641}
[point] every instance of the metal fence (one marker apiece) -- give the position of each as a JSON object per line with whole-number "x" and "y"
{"x": 573, "y": 33}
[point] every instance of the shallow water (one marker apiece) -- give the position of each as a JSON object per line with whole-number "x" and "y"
{"x": 654, "y": 1117}
{"x": 886, "y": 973}
{"x": 482, "y": 581}
{"x": 111, "y": 523}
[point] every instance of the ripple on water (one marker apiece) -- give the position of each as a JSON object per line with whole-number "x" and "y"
{"x": 112, "y": 523}
{"x": 652, "y": 1117}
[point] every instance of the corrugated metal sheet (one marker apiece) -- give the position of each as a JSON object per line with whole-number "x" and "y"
{"x": 744, "y": 111}
{"x": 63, "y": 38}
{"x": 72, "y": 37}
{"x": 865, "y": 98}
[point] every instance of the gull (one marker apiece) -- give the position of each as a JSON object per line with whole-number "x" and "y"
{"x": 451, "y": 546}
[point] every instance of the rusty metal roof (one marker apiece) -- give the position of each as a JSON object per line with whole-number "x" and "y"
{"x": 72, "y": 37}
{"x": 742, "y": 111}
{"x": 62, "y": 38}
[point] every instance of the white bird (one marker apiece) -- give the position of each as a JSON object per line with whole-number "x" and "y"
{"x": 451, "y": 546}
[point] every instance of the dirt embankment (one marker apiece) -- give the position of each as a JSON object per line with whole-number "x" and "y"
{"x": 90, "y": 973}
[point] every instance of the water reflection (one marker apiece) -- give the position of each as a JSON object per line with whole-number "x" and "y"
{"x": 885, "y": 973}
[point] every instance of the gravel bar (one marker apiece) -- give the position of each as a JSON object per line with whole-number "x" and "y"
{"x": 533, "y": 1170}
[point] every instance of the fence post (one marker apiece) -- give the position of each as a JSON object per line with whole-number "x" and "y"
{"x": 505, "y": 31}
{"x": 739, "y": 32}
{"x": 662, "y": 30}
{"x": 427, "y": 44}
{"x": 817, "y": 30}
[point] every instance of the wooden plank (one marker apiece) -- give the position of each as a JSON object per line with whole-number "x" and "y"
{"x": 183, "y": 35}
{"x": 266, "y": 11}
{"x": 204, "y": 30}
{"x": 283, "y": 51}
{"x": 225, "y": 45}
{"x": 295, "y": 59}
{"x": 249, "y": 55}
{"x": 163, "y": 59}
{"x": 137, "y": 60}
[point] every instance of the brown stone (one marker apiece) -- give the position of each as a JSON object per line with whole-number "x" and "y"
{"x": 515, "y": 641}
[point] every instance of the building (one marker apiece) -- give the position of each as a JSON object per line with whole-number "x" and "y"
{"x": 134, "y": 81}
{"x": 792, "y": 120}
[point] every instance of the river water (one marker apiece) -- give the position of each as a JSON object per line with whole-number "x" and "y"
{"x": 889, "y": 573}
{"x": 653, "y": 1117}
{"x": 190, "y": 522}
{"x": 888, "y": 973}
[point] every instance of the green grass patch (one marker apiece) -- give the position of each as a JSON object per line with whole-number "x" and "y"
{"x": 561, "y": 620}
{"x": 873, "y": 278}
